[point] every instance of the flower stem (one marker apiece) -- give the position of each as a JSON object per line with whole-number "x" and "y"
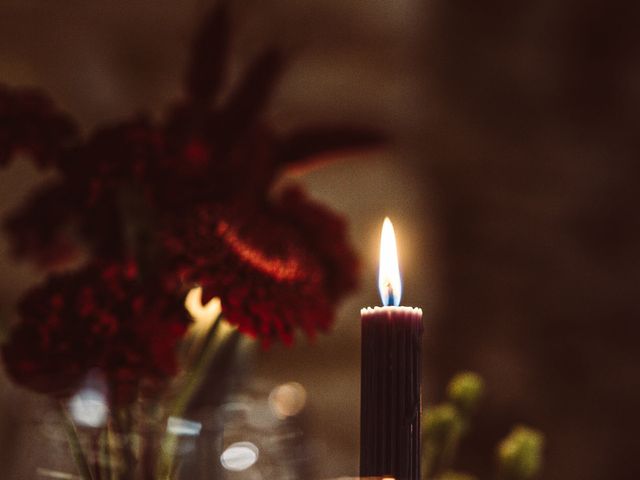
{"x": 123, "y": 422}
{"x": 75, "y": 445}
{"x": 218, "y": 335}
{"x": 104, "y": 457}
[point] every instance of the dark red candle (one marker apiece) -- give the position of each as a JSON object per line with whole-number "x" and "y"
{"x": 391, "y": 377}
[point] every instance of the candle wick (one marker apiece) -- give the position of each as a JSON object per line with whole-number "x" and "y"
{"x": 390, "y": 299}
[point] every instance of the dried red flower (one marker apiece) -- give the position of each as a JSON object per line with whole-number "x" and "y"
{"x": 281, "y": 267}
{"x": 192, "y": 193}
{"x": 101, "y": 317}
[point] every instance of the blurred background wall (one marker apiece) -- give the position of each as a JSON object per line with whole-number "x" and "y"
{"x": 511, "y": 182}
{"x": 533, "y": 150}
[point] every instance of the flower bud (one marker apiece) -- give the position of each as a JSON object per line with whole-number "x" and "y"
{"x": 520, "y": 453}
{"x": 465, "y": 390}
{"x": 440, "y": 421}
{"x": 450, "y": 475}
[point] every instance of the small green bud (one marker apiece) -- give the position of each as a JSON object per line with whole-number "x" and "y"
{"x": 440, "y": 421}
{"x": 520, "y": 453}
{"x": 465, "y": 390}
{"x": 450, "y": 475}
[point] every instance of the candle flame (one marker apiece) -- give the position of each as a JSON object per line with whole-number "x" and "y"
{"x": 389, "y": 282}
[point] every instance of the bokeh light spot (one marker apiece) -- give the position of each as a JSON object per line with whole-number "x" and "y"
{"x": 287, "y": 400}
{"x": 239, "y": 456}
{"x": 89, "y": 408}
{"x": 181, "y": 426}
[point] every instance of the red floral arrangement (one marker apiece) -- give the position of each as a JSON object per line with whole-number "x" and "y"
{"x": 160, "y": 207}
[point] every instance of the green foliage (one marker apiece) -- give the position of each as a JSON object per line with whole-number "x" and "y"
{"x": 445, "y": 425}
{"x": 451, "y": 475}
{"x": 441, "y": 422}
{"x": 520, "y": 453}
{"x": 465, "y": 391}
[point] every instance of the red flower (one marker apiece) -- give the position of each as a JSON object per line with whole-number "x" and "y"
{"x": 192, "y": 192}
{"x": 277, "y": 268}
{"x": 104, "y": 317}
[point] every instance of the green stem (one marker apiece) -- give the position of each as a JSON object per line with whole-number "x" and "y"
{"x": 113, "y": 448}
{"x": 450, "y": 448}
{"x": 429, "y": 459}
{"x": 104, "y": 458}
{"x": 123, "y": 422}
{"x": 217, "y": 336}
{"x": 196, "y": 376}
{"x": 75, "y": 445}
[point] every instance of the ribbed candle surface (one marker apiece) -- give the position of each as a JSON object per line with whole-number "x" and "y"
{"x": 391, "y": 392}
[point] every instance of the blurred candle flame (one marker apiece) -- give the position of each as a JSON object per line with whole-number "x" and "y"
{"x": 389, "y": 282}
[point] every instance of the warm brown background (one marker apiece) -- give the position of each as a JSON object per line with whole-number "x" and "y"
{"x": 512, "y": 185}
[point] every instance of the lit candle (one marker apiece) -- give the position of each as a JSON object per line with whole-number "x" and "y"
{"x": 391, "y": 376}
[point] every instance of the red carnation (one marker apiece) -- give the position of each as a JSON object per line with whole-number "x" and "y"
{"x": 102, "y": 316}
{"x": 193, "y": 192}
{"x": 281, "y": 267}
